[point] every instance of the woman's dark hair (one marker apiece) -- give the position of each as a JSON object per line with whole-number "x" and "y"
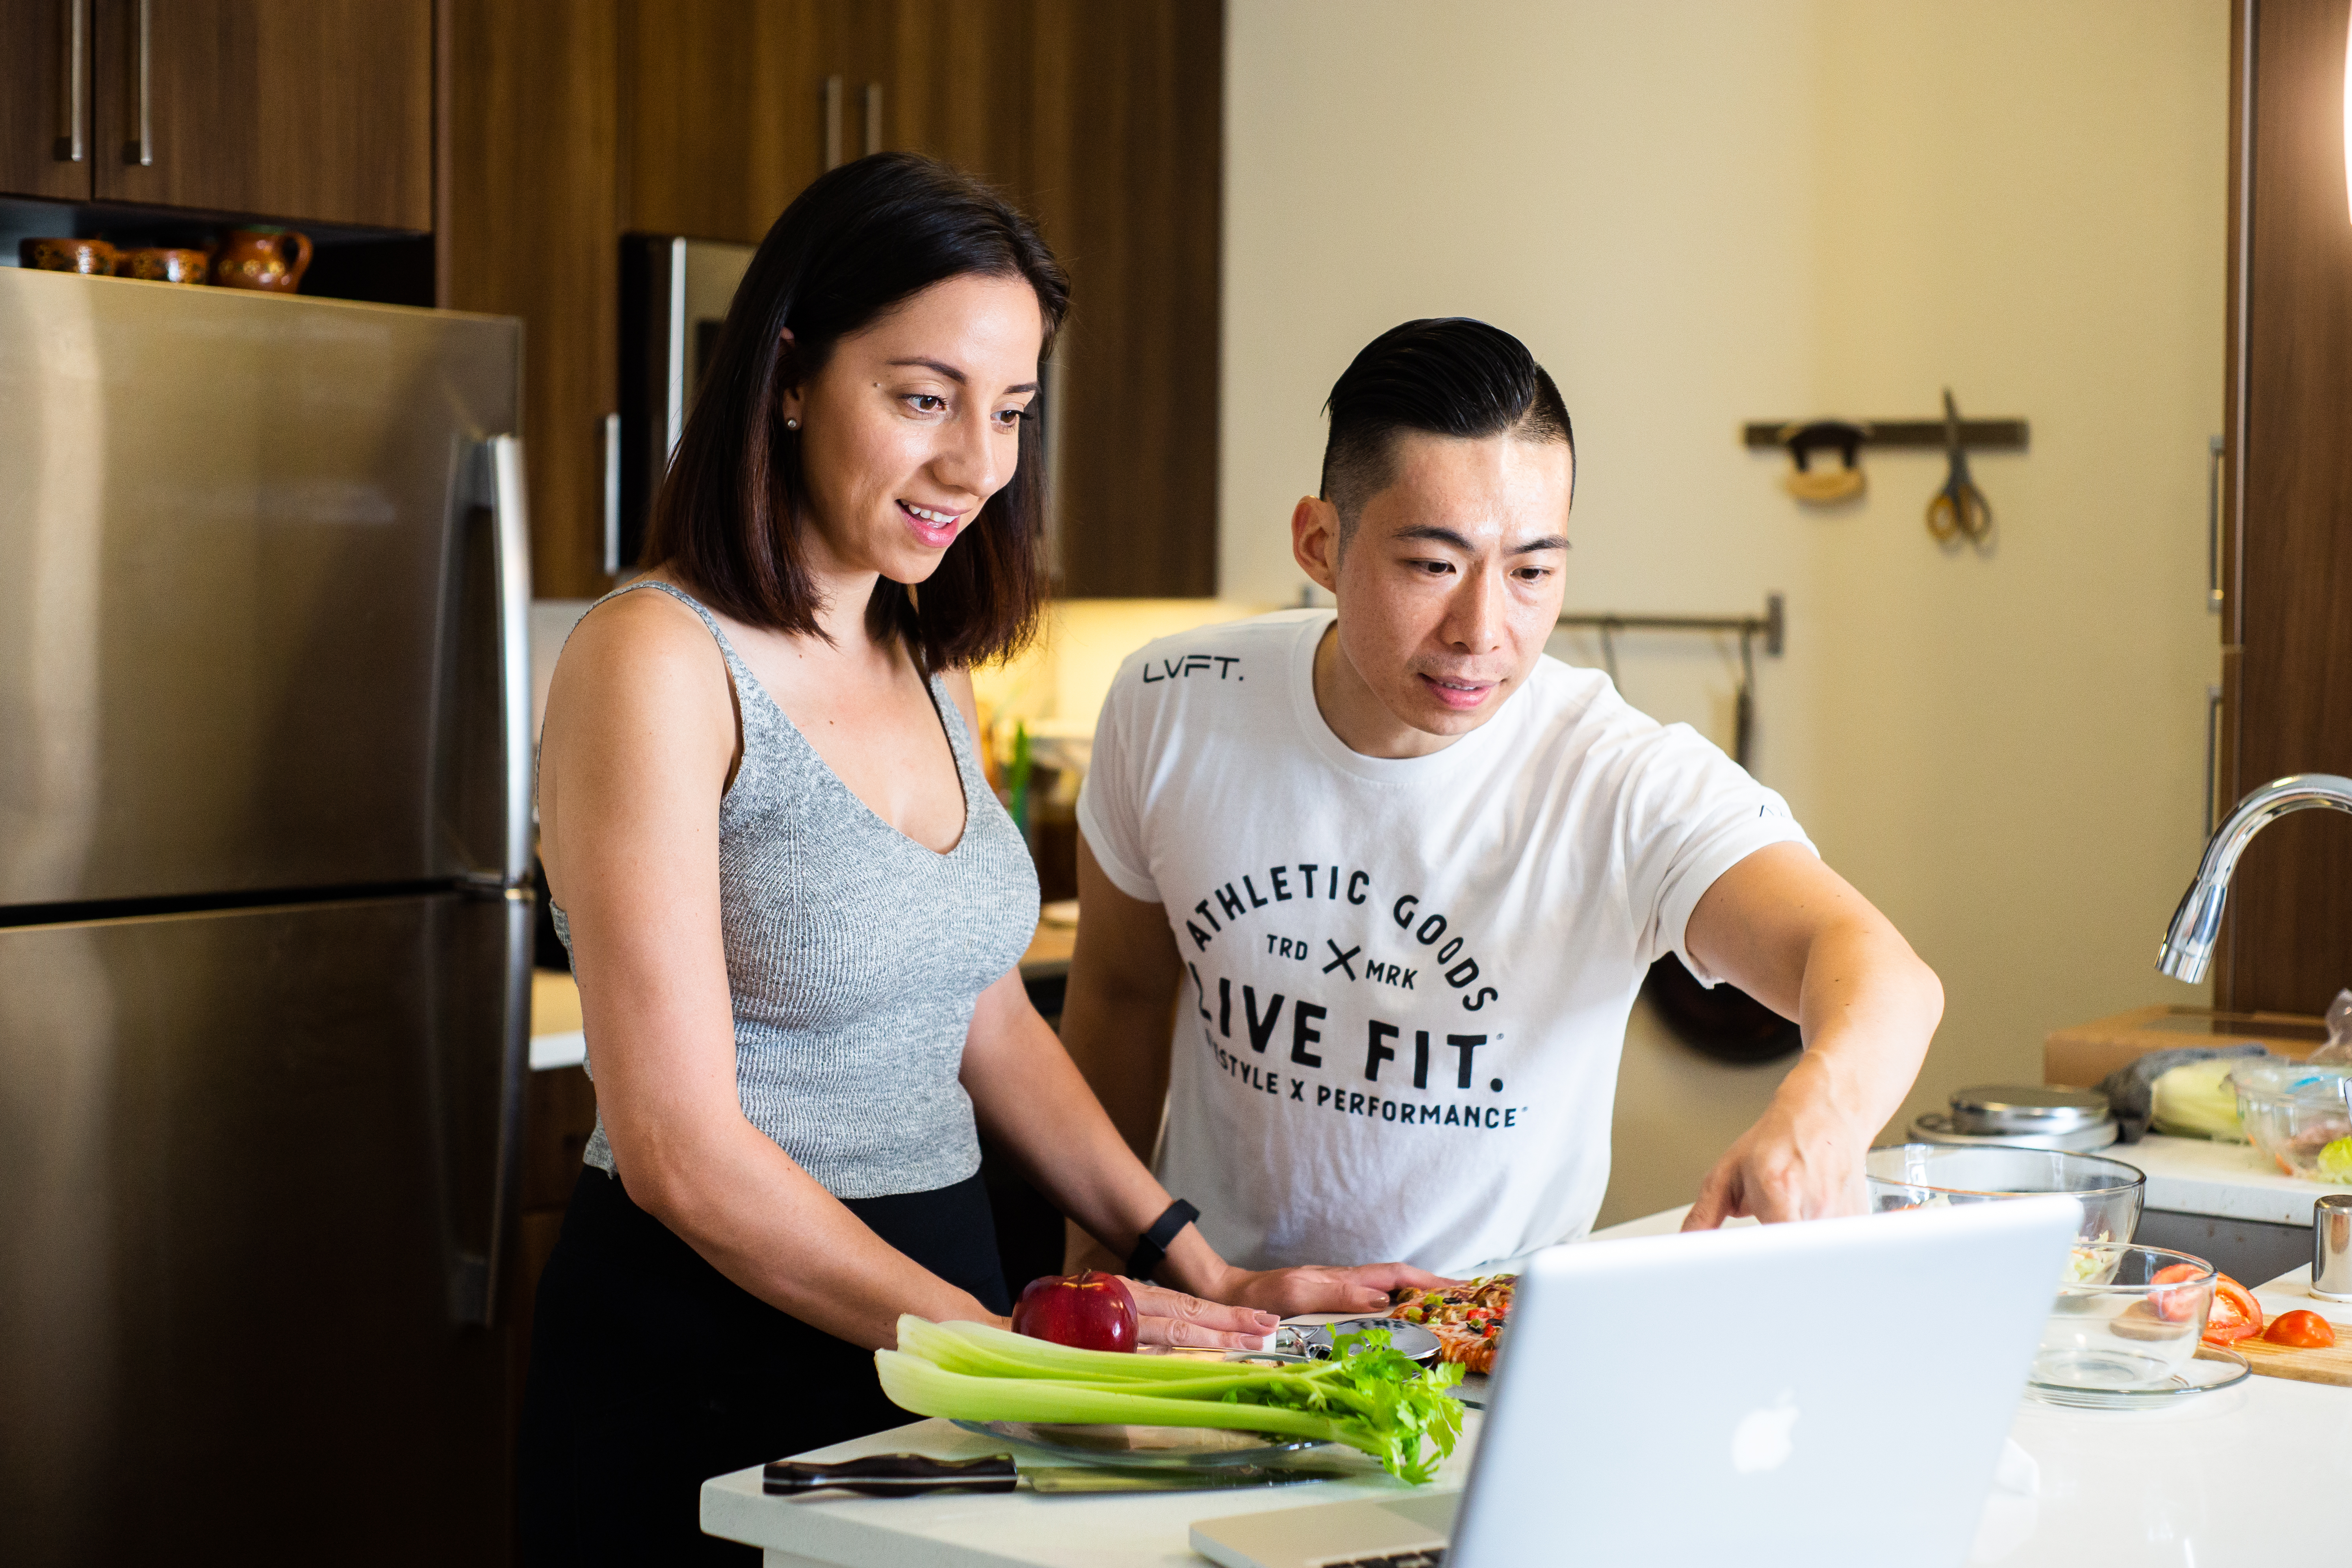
{"x": 729, "y": 514}
{"x": 1446, "y": 375}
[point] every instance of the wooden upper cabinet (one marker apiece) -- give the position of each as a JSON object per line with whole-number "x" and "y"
{"x": 529, "y": 227}
{"x": 45, "y": 147}
{"x": 309, "y": 110}
{"x": 954, "y": 82}
{"x": 1128, "y": 133}
{"x": 722, "y": 111}
{"x": 2287, "y": 622}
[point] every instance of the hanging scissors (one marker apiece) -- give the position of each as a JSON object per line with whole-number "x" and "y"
{"x": 1959, "y": 509}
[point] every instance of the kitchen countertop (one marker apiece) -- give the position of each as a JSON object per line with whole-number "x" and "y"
{"x": 2251, "y": 1474}
{"x": 556, "y": 1037}
{"x": 2228, "y": 1181}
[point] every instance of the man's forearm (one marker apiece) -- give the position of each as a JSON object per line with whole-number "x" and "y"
{"x": 1120, "y": 1041}
{"x": 1868, "y": 1007}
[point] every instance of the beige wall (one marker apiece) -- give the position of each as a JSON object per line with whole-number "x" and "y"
{"x": 1699, "y": 212}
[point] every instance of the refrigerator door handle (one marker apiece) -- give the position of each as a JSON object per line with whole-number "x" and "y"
{"x": 510, "y": 520}
{"x": 475, "y": 1277}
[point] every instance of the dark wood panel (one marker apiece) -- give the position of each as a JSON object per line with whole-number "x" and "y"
{"x": 723, "y": 111}
{"x": 530, "y": 228}
{"x": 2292, "y": 895}
{"x": 35, "y": 100}
{"x": 956, "y": 85}
{"x": 559, "y": 1115}
{"x": 1128, "y": 100}
{"x": 316, "y": 110}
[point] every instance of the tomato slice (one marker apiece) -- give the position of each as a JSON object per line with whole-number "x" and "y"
{"x": 2248, "y": 1312}
{"x": 2175, "y": 1306}
{"x": 2300, "y": 1329}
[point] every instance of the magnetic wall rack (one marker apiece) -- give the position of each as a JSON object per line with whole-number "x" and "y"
{"x": 1976, "y": 435}
{"x": 1771, "y": 625}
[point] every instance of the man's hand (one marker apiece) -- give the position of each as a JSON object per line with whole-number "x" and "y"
{"x": 1289, "y": 1291}
{"x": 1800, "y": 1161}
{"x": 1791, "y": 932}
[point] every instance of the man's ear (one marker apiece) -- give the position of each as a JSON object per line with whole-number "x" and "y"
{"x": 1315, "y": 542}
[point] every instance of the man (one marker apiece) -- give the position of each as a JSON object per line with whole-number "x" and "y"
{"x": 1408, "y": 874}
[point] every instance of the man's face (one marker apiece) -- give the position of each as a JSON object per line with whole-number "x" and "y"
{"x": 1451, "y": 581}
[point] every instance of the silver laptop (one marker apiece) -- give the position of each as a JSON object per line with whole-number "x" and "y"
{"x": 1821, "y": 1394}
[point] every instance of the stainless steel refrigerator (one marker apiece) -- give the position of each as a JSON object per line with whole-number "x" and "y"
{"x": 265, "y": 933}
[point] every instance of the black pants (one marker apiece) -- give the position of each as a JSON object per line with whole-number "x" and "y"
{"x": 651, "y": 1372}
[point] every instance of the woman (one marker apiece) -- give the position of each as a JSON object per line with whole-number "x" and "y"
{"x": 795, "y": 908}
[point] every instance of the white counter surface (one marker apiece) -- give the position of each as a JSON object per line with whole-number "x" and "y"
{"x": 2258, "y": 1474}
{"x": 2227, "y": 1181}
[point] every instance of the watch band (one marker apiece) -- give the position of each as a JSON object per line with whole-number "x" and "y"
{"x": 1152, "y": 1245}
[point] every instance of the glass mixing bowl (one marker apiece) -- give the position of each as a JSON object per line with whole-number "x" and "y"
{"x": 2299, "y": 1115}
{"x": 2131, "y": 1320}
{"x": 1930, "y": 1175}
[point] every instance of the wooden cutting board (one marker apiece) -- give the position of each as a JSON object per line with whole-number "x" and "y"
{"x": 2333, "y": 1365}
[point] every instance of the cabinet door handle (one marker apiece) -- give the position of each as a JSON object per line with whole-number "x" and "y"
{"x": 873, "y": 118}
{"x": 611, "y": 495}
{"x": 70, "y": 148}
{"x": 833, "y": 122}
{"x": 2213, "y": 756}
{"x": 2217, "y": 448}
{"x": 140, "y": 148}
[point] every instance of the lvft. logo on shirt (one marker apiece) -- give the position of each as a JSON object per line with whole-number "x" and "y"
{"x": 1331, "y": 921}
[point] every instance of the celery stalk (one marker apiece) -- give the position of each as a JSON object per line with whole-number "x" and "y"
{"x": 1370, "y": 1397}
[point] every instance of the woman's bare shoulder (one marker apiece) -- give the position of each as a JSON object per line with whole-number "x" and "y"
{"x": 636, "y": 661}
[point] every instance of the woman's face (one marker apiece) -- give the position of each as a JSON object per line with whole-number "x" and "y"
{"x": 915, "y": 422}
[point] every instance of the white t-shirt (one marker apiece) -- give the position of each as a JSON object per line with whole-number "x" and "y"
{"x": 1409, "y": 978}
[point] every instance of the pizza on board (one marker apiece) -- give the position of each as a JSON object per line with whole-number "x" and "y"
{"x": 1468, "y": 1318}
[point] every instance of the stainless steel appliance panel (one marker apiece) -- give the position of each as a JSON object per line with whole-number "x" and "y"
{"x": 675, "y": 295}
{"x": 259, "y": 1166}
{"x": 233, "y": 648}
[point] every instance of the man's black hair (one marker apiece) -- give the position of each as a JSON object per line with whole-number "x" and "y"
{"x": 1446, "y": 375}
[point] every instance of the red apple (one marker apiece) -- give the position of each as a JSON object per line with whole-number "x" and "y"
{"x": 1093, "y": 1311}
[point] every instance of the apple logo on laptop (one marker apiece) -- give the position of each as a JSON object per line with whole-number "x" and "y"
{"x": 1761, "y": 1441}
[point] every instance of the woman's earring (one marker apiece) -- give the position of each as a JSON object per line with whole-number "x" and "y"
{"x": 791, "y": 424}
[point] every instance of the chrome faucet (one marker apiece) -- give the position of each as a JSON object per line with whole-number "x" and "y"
{"x": 2188, "y": 945}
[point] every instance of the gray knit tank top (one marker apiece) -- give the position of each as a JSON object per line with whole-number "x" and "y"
{"x": 855, "y": 955}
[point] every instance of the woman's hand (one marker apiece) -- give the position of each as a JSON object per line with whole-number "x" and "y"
{"x": 1168, "y": 1317}
{"x": 1287, "y": 1292}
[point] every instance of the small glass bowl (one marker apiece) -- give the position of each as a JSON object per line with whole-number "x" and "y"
{"x": 2293, "y": 1112}
{"x": 2127, "y": 1317}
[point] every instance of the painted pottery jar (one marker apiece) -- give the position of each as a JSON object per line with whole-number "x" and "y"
{"x": 94, "y": 257}
{"x": 161, "y": 264}
{"x": 271, "y": 259}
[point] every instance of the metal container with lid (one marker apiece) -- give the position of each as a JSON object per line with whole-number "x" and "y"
{"x": 2031, "y": 1116}
{"x": 1989, "y": 1110}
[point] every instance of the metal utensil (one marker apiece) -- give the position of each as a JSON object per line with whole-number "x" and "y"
{"x": 906, "y": 1475}
{"x": 892, "y": 1474}
{"x": 1070, "y": 1480}
{"x": 1959, "y": 509}
{"x": 1318, "y": 1341}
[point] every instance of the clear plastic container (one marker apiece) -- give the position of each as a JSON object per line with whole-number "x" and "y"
{"x": 2300, "y": 1115}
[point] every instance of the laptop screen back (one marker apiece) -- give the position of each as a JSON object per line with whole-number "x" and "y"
{"x": 1826, "y": 1393}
